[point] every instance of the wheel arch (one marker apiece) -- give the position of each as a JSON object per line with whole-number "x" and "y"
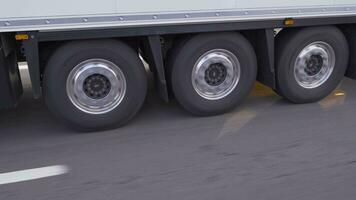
{"x": 38, "y": 53}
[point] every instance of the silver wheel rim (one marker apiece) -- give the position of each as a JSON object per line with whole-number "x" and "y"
{"x": 314, "y": 65}
{"x": 216, "y": 74}
{"x": 96, "y": 86}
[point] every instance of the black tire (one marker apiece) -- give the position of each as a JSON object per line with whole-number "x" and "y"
{"x": 62, "y": 62}
{"x": 183, "y": 61}
{"x": 290, "y": 43}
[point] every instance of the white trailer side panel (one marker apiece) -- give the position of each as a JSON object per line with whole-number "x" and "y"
{"x": 28, "y": 15}
{"x": 46, "y": 8}
{"x": 49, "y": 8}
{"x": 282, "y": 3}
{"x": 344, "y": 1}
{"x": 125, "y": 6}
{"x": 187, "y": 5}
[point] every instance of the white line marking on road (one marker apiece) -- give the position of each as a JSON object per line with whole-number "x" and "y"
{"x": 23, "y": 66}
{"x": 32, "y": 174}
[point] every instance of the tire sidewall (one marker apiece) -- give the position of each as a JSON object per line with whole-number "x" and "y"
{"x": 186, "y": 60}
{"x": 56, "y": 79}
{"x": 289, "y": 86}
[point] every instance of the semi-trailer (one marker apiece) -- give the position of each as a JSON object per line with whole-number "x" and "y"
{"x": 85, "y": 58}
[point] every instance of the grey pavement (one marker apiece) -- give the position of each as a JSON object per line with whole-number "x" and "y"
{"x": 266, "y": 149}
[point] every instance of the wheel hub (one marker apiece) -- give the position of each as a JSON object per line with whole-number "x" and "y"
{"x": 215, "y": 74}
{"x": 97, "y": 86}
{"x": 314, "y": 65}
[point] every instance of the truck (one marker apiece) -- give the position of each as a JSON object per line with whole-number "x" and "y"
{"x": 85, "y": 58}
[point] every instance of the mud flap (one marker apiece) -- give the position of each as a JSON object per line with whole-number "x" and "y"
{"x": 350, "y": 33}
{"x": 10, "y": 80}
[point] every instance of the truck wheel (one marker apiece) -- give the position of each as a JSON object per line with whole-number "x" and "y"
{"x": 95, "y": 85}
{"x": 212, "y": 73}
{"x": 311, "y": 62}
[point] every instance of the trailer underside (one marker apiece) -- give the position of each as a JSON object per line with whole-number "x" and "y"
{"x": 260, "y": 33}
{"x": 259, "y": 39}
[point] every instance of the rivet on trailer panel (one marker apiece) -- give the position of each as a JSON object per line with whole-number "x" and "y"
{"x": 47, "y": 21}
{"x": 7, "y": 24}
{"x": 121, "y": 18}
{"x": 85, "y": 20}
{"x": 186, "y": 16}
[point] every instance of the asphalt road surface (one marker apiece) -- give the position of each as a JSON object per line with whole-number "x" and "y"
{"x": 266, "y": 149}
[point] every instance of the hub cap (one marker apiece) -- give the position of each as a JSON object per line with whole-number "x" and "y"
{"x": 216, "y": 74}
{"x": 96, "y": 86}
{"x": 314, "y": 65}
